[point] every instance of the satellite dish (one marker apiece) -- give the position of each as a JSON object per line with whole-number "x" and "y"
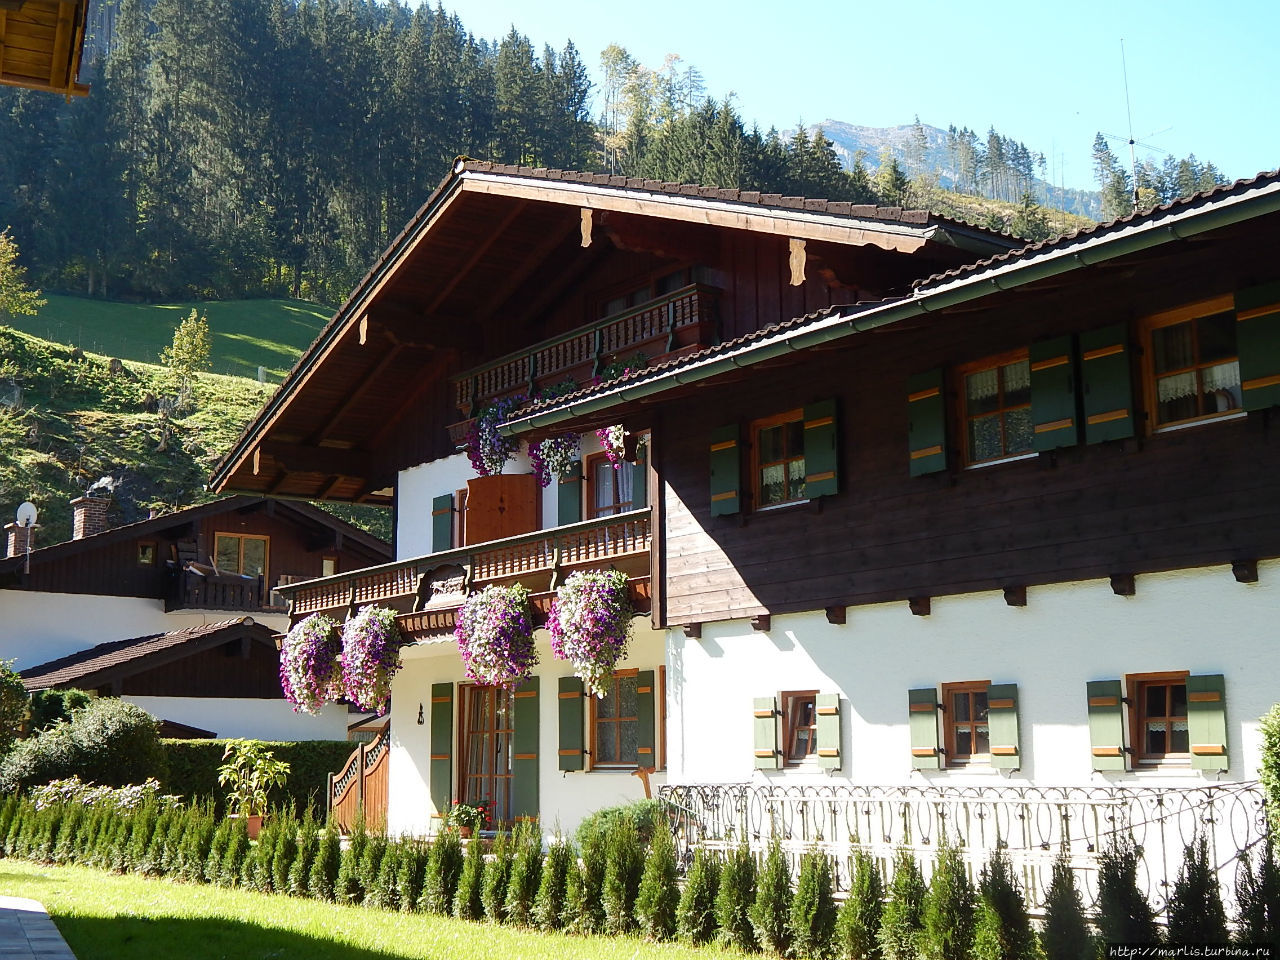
{"x": 27, "y": 514}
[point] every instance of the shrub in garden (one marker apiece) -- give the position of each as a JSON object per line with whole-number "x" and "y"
{"x": 298, "y": 882}
{"x": 948, "y": 907}
{"x": 47, "y": 707}
{"x": 1002, "y": 930}
{"x": 658, "y": 896}
{"x": 375, "y": 851}
{"x": 497, "y": 872}
{"x": 347, "y": 889}
{"x": 382, "y": 889}
{"x": 696, "y": 911}
{"x": 1195, "y": 905}
{"x": 234, "y": 857}
{"x": 217, "y": 851}
{"x": 624, "y": 864}
{"x": 771, "y": 911}
{"x": 8, "y": 807}
{"x": 145, "y": 819}
{"x": 1258, "y": 893}
{"x": 584, "y": 887}
{"x": 550, "y": 906}
{"x": 323, "y": 878}
{"x": 173, "y": 839}
{"x": 902, "y": 922}
{"x": 1124, "y": 915}
{"x": 413, "y": 867}
{"x": 193, "y": 768}
{"x": 735, "y": 897}
{"x": 196, "y": 843}
{"x": 1065, "y": 933}
{"x": 64, "y": 844}
{"x": 286, "y": 849}
{"x": 646, "y": 815}
{"x": 858, "y": 920}
{"x": 444, "y": 866}
{"x": 1269, "y": 768}
{"x": 526, "y": 872}
{"x": 151, "y": 862}
{"x": 257, "y": 866}
{"x": 467, "y": 904}
{"x": 813, "y": 908}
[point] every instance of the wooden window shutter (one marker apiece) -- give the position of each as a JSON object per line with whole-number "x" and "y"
{"x": 1108, "y": 390}
{"x": 927, "y": 423}
{"x": 571, "y": 728}
{"x": 1053, "y": 394}
{"x": 1207, "y": 721}
{"x": 821, "y": 449}
{"x": 726, "y": 471}
{"x": 569, "y": 496}
{"x": 645, "y": 702}
{"x": 1002, "y": 722}
{"x": 441, "y": 769}
{"x": 1106, "y": 724}
{"x": 1258, "y": 343}
{"x": 441, "y": 522}
{"x": 639, "y": 479}
{"x": 524, "y": 749}
{"x": 922, "y": 718}
{"x": 765, "y": 714}
{"x": 827, "y": 706}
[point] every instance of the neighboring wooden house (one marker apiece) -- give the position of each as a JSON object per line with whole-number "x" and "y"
{"x": 915, "y": 510}
{"x": 41, "y": 42}
{"x": 215, "y": 680}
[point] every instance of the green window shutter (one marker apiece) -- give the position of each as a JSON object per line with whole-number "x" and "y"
{"x": 571, "y": 728}
{"x": 645, "y": 704}
{"x": 1002, "y": 720}
{"x": 828, "y": 708}
{"x": 569, "y": 496}
{"x": 1108, "y": 391}
{"x": 821, "y": 451}
{"x": 524, "y": 750}
{"x": 441, "y": 769}
{"x": 1106, "y": 724}
{"x": 927, "y": 423}
{"x": 1258, "y": 343}
{"x": 442, "y": 523}
{"x": 765, "y": 712}
{"x": 726, "y": 471}
{"x": 639, "y": 480}
{"x": 1207, "y": 721}
{"x": 922, "y": 718}
{"x": 1053, "y": 394}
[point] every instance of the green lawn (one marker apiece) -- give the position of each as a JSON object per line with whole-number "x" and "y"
{"x": 107, "y": 917}
{"x": 246, "y": 333}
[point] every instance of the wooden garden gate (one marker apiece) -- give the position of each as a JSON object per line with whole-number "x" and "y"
{"x": 362, "y": 783}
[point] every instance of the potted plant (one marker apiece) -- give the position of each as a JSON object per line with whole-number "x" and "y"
{"x": 370, "y": 657}
{"x": 250, "y": 771}
{"x": 590, "y": 624}
{"x": 495, "y": 636}
{"x": 311, "y": 663}
{"x": 468, "y": 818}
{"x": 487, "y": 449}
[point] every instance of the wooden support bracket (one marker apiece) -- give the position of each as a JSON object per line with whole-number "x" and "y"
{"x": 920, "y": 606}
{"x": 1015, "y": 595}
{"x": 762, "y": 623}
{"x": 693, "y": 631}
{"x": 1122, "y": 585}
{"x": 1245, "y": 571}
{"x": 837, "y": 615}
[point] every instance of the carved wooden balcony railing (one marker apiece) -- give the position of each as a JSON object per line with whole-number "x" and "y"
{"x": 427, "y": 591}
{"x": 220, "y": 591}
{"x": 682, "y": 319}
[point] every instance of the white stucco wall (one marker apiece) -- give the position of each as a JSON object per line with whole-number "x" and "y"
{"x": 564, "y": 798}
{"x": 244, "y": 717}
{"x": 1199, "y": 620}
{"x": 38, "y": 627}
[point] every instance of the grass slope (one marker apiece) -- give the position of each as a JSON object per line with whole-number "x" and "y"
{"x": 107, "y": 917}
{"x": 246, "y": 333}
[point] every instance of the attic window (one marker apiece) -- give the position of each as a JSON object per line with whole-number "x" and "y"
{"x": 147, "y": 553}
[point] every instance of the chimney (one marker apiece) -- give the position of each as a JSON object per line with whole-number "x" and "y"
{"x": 18, "y": 538}
{"x": 89, "y": 516}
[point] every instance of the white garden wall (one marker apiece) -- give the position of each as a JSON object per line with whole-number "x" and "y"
{"x": 244, "y": 717}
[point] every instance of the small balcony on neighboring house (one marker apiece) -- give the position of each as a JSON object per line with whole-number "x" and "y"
{"x": 678, "y": 322}
{"x": 200, "y": 587}
{"x": 427, "y": 591}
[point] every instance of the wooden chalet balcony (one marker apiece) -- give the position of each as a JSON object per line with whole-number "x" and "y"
{"x": 670, "y": 324}
{"x": 222, "y": 591}
{"x": 427, "y": 591}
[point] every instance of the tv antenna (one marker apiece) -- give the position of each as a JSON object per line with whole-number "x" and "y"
{"x": 26, "y": 517}
{"x": 1133, "y": 142}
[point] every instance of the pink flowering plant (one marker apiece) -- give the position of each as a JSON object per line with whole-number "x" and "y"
{"x": 554, "y": 457}
{"x": 311, "y": 663}
{"x": 495, "y": 636}
{"x": 370, "y": 657}
{"x": 590, "y": 624}
{"x": 487, "y": 449}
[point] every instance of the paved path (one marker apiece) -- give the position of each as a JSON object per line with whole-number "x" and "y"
{"x": 27, "y": 933}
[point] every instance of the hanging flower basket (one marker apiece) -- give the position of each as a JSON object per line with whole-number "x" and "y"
{"x": 495, "y": 636}
{"x": 487, "y": 449}
{"x": 311, "y": 663}
{"x": 590, "y": 624}
{"x": 554, "y": 457}
{"x": 370, "y": 657}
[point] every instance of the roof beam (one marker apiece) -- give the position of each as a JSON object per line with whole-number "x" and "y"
{"x": 353, "y": 397}
{"x": 476, "y": 256}
{"x": 529, "y": 264}
{"x": 308, "y": 458}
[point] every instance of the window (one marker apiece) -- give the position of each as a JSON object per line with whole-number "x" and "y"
{"x": 147, "y": 554}
{"x": 328, "y": 566}
{"x": 485, "y": 747}
{"x": 966, "y": 722}
{"x": 651, "y": 290}
{"x": 799, "y": 726}
{"x": 997, "y": 408}
{"x": 611, "y": 488}
{"x": 240, "y": 553}
{"x": 615, "y": 727}
{"x": 1158, "y": 717}
{"x": 778, "y": 473}
{"x": 1194, "y": 370}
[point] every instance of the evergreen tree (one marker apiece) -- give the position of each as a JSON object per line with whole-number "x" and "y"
{"x": 551, "y": 902}
{"x": 1258, "y": 895}
{"x": 1065, "y": 935}
{"x": 1003, "y": 927}
{"x": 467, "y": 903}
{"x": 696, "y": 911}
{"x": 948, "y": 907}
{"x": 735, "y": 897}
{"x": 1124, "y": 915}
{"x": 323, "y": 879}
{"x": 813, "y": 907}
{"x": 858, "y": 921}
{"x": 624, "y": 865}
{"x": 902, "y": 921}
{"x": 526, "y": 872}
{"x": 440, "y": 879}
{"x": 658, "y": 896}
{"x": 497, "y": 873}
{"x": 1195, "y": 905}
{"x": 771, "y": 911}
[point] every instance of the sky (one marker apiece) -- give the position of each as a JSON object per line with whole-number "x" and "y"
{"x": 1202, "y": 77}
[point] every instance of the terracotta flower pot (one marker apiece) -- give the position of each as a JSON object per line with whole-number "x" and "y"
{"x": 464, "y": 832}
{"x": 253, "y": 823}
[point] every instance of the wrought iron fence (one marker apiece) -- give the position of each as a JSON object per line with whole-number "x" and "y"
{"x": 1034, "y": 824}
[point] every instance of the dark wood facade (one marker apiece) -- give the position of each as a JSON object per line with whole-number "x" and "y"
{"x": 1201, "y": 495}
{"x": 234, "y": 669}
